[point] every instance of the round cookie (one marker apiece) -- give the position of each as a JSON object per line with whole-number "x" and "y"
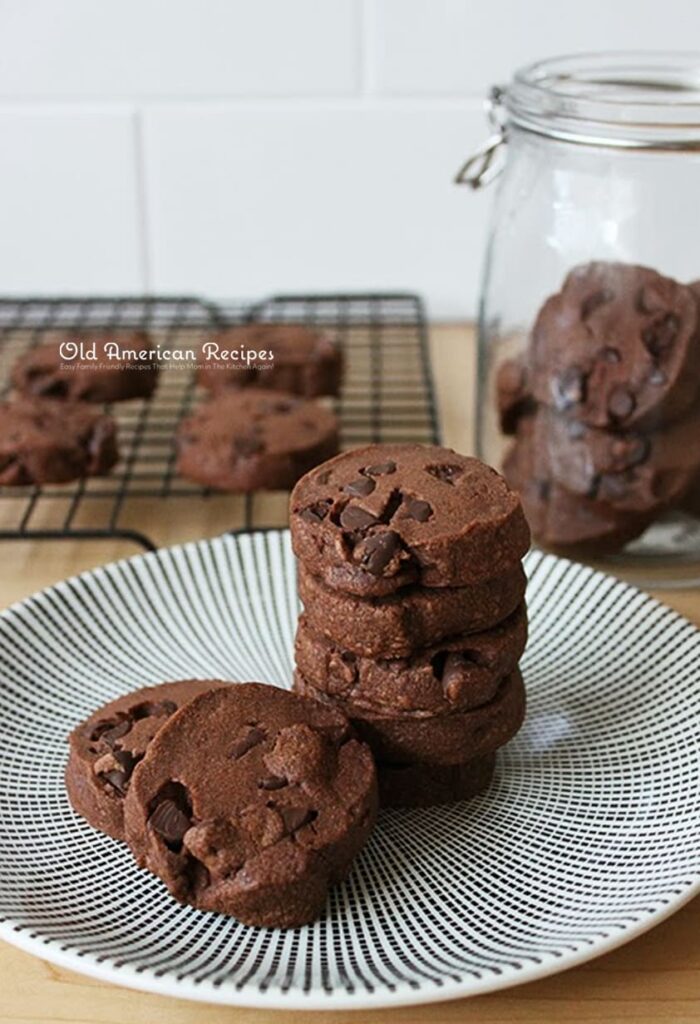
{"x": 434, "y": 739}
{"x": 254, "y": 440}
{"x": 105, "y": 749}
{"x": 292, "y": 357}
{"x": 251, "y": 801}
{"x": 558, "y": 518}
{"x": 397, "y": 625}
{"x": 375, "y": 519}
{"x": 425, "y": 785}
{"x": 513, "y": 393}
{"x": 460, "y": 673}
{"x": 618, "y": 347}
{"x": 44, "y": 372}
{"x": 48, "y": 442}
{"x": 628, "y": 470}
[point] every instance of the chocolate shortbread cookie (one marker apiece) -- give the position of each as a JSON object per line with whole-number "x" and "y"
{"x": 460, "y": 673}
{"x": 375, "y": 519}
{"x": 254, "y": 440}
{"x": 514, "y": 397}
{"x": 452, "y": 738}
{"x": 397, "y": 625}
{"x": 105, "y": 749}
{"x": 48, "y": 442}
{"x": 643, "y": 472}
{"x": 251, "y": 801}
{"x": 558, "y": 518}
{"x": 618, "y": 347}
{"x": 43, "y": 371}
{"x": 293, "y": 358}
{"x": 424, "y": 785}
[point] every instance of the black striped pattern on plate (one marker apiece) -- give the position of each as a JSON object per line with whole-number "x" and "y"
{"x": 589, "y": 834}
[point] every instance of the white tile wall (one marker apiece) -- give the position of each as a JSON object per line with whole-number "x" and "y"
{"x": 243, "y": 202}
{"x": 238, "y": 147}
{"x": 69, "y": 217}
{"x": 456, "y": 47}
{"x": 115, "y": 49}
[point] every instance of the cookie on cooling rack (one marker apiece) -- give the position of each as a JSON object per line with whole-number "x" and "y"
{"x": 105, "y": 749}
{"x": 254, "y": 440}
{"x": 291, "y": 357}
{"x": 47, "y": 442}
{"x": 55, "y": 369}
{"x": 251, "y": 801}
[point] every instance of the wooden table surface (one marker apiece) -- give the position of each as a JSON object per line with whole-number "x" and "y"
{"x": 654, "y": 978}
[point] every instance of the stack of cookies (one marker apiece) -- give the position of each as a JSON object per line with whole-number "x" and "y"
{"x": 414, "y": 617}
{"x": 605, "y": 407}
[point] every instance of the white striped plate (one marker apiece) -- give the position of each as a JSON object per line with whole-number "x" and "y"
{"x": 589, "y": 835}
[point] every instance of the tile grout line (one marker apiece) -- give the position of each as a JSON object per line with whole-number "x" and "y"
{"x": 367, "y": 47}
{"x": 305, "y": 103}
{"x": 142, "y": 200}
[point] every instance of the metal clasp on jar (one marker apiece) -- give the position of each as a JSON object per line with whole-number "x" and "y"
{"x": 484, "y": 166}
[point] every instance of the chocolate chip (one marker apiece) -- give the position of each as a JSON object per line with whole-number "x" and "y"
{"x": 660, "y": 336}
{"x": 126, "y": 760}
{"x": 414, "y": 508}
{"x": 154, "y": 709}
{"x": 52, "y": 388}
{"x": 246, "y": 742}
{"x": 315, "y": 513}
{"x": 247, "y": 446}
{"x": 381, "y": 469}
{"x": 355, "y": 518}
{"x": 379, "y": 551}
{"x": 108, "y": 726}
{"x": 445, "y": 473}
{"x": 110, "y": 736}
{"x": 394, "y": 503}
{"x": 295, "y": 818}
{"x": 594, "y": 301}
{"x": 169, "y": 822}
{"x": 621, "y": 403}
{"x": 117, "y": 779}
{"x": 272, "y": 782}
{"x": 361, "y": 487}
{"x": 657, "y": 377}
{"x": 569, "y": 388}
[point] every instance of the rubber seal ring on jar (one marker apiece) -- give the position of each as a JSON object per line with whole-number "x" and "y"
{"x": 484, "y": 166}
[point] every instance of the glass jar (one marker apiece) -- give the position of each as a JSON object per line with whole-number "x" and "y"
{"x": 589, "y": 326}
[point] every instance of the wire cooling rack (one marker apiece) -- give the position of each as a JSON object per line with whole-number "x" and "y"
{"x": 387, "y": 395}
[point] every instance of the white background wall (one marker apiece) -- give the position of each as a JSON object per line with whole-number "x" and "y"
{"x": 240, "y": 147}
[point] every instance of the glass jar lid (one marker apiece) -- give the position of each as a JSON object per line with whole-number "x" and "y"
{"x": 635, "y": 100}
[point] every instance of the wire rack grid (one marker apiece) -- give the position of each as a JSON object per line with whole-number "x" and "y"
{"x": 387, "y": 395}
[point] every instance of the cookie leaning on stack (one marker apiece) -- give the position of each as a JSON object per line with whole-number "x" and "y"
{"x": 243, "y": 798}
{"x": 411, "y": 577}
